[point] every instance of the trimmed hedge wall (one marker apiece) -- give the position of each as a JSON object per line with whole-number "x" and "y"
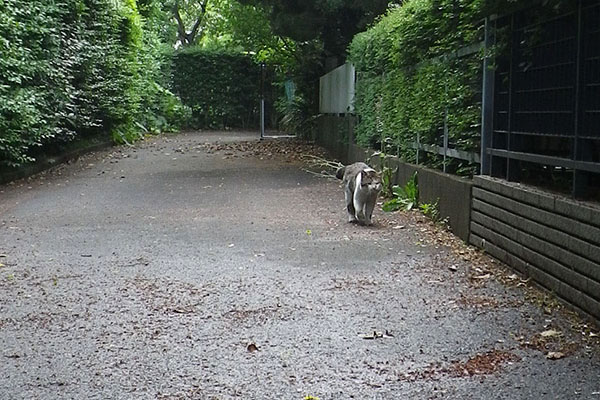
{"x": 405, "y": 84}
{"x": 222, "y": 88}
{"x": 410, "y": 80}
{"x": 79, "y": 67}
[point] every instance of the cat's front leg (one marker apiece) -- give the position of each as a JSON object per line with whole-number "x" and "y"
{"x": 360, "y": 212}
{"x": 369, "y": 209}
{"x": 351, "y": 214}
{"x": 366, "y": 219}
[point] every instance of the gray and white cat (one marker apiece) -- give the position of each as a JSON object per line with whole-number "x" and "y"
{"x": 362, "y": 184}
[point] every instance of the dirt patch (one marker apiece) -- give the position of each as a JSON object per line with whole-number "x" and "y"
{"x": 478, "y": 301}
{"x": 168, "y": 296}
{"x": 254, "y": 316}
{"x": 353, "y": 284}
{"x": 481, "y": 364}
{"x": 193, "y": 393}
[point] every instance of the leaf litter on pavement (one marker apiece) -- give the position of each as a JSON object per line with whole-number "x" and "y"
{"x": 469, "y": 269}
{"x": 476, "y": 270}
{"x": 287, "y": 149}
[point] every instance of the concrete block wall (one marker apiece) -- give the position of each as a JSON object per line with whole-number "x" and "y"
{"x": 451, "y": 193}
{"x": 552, "y": 239}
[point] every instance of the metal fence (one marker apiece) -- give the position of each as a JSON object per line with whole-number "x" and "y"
{"x": 540, "y": 99}
{"x": 541, "y": 104}
{"x": 444, "y": 147}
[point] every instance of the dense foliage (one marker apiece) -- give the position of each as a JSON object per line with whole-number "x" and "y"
{"x": 75, "y": 68}
{"x": 80, "y": 67}
{"x": 230, "y": 27}
{"x": 333, "y": 22}
{"x": 246, "y": 29}
{"x": 221, "y": 87}
{"x": 411, "y": 82}
{"x": 315, "y": 33}
{"x": 408, "y": 84}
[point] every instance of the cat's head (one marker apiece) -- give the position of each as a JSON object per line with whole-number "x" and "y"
{"x": 371, "y": 180}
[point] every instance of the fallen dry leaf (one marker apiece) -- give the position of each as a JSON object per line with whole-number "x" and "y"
{"x": 376, "y": 335}
{"x": 555, "y": 355}
{"x": 550, "y": 333}
{"x": 181, "y": 311}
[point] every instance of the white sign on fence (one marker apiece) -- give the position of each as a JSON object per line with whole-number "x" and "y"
{"x": 336, "y": 90}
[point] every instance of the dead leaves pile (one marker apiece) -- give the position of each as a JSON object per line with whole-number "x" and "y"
{"x": 291, "y": 150}
{"x": 481, "y": 364}
{"x": 551, "y": 342}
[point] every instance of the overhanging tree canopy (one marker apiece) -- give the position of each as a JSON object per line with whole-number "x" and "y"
{"x": 334, "y": 22}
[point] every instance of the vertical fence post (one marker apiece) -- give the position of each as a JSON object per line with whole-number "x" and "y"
{"x": 262, "y": 100}
{"x": 512, "y": 141}
{"x": 445, "y": 126}
{"x": 580, "y": 178}
{"x": 487, "y": 103}
{"x": 418, "y": 147}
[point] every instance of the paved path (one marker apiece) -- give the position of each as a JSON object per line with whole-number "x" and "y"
{"x": 179, "y": 270}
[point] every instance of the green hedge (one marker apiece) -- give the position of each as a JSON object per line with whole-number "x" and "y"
{"x": 221, "y": 87}
{"x": 405, "y": 84}
{"x": 78, "y": 67}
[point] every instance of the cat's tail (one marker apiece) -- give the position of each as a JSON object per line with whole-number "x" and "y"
{"x": 340, "y": 173}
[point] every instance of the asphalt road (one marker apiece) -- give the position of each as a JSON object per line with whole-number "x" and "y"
{"x": 178, "y": 269}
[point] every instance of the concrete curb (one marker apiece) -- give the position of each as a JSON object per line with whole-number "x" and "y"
{"x": 49, "y": 162}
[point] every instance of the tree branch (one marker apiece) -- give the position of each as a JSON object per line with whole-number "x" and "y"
{"x": 184, "y": 37}
{"x": 180, "y": 26}
{"x": 196, "y": 26}
{"x": 286, "y": 46}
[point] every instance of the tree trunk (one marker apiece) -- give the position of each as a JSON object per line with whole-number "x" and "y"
{"x": 189, "y": 38}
